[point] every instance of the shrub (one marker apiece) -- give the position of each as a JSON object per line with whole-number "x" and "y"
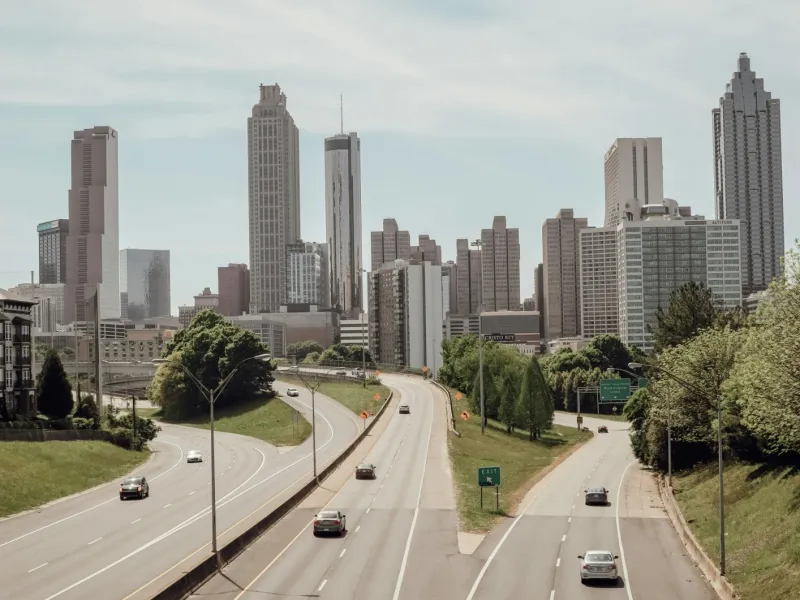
{"x": 61, "y": 424}
{"x": 122, "y": 437}
{"x": 87, "y": 410}
{"x": 372, "y": 380}
{"x": 81, "y": 423}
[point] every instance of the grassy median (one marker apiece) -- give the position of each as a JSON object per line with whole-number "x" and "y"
{"x": 521, "y": 465}
{"x": 35, "y": 473}
{"x": 762, "y": 525}
{"x": 352, "y": 394}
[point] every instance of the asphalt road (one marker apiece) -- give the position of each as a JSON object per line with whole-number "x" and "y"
{"x": 400, "y": 526}
{"x": 95, "y": 546}
{"x": 535, "y": 554}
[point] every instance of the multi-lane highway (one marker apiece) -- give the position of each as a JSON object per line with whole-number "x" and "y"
{"x": 95, "y": 546}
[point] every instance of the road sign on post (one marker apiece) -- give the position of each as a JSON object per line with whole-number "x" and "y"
{"x": 489, "y": 476}
{"x": 615, "y": 390}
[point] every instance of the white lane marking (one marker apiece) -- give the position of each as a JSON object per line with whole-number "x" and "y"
{"x": 94, "y": 541}
{"x": 322, "y": 585}
{"x": 369, "y": 509}
{"x": 619, "y": 533}
{"x": 178, "y": 527}
{"x": 558, "y": 562}
{"x": 552, "y": 594}
{"x": 342, "y": 554}
{"x": 39, "y": 567}
{"x": 569, "y": 520}
{"x": 77, "y": 514}
{"x": 136, "y": 521}
{"x": 168, "y": 505}
{"x": 191, "y": 493}
{"x": 416, "y": 516}
{"x": 573, "y": 507}
{"x": 564, "y": 538}
{"x": 357, "y": 528}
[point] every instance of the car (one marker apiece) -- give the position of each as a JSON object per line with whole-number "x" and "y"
{"x": 341, "y": 372}
{"x": 365, "y": 471}
{"x": 404, "y": 409}
{"x": 602, "y": 429}
{"x": 596, "y": 495}
{"x": 134, "y": 487}
{"x": 598, "y": 565}
{"x": 292, "y": 392}
{"x": 194, "y": 456}
{"x": 330, "y": 521}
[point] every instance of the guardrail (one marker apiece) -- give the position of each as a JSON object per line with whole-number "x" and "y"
{"x": 198, "y": 576}
{"x": 452, "y": 424}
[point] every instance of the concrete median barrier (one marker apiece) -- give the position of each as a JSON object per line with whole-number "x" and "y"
{"x": 196, "y": 577}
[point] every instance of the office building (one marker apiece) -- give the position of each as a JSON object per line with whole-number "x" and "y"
{"x": 599, "y": 298}
{"x": 450, "y": 270}
{"x": 538, "y": 292}
{"x": 561, "y": 276}
{"x": 93, "y": 238}
{"x": 53, "y": 251}
{"x": 500, "y": 267}
{"x": 427, "y": 250}
{"x": 203, "y": 300}
{"x": 144, "y": 284}
{"x": 748, "y": 178}
{"x": 354, "y": 332}
{"x": 17, "y": 391}
{"x": 343, "y": 222}
{"x": 529, "y": 304}
{"x": 233, "y": 287}
{"x": 659, "y": 254}
{"x": 469, "y": 280}
{"x": 47, "y": 312}
{"x": 513, "y": 327}
{"x": 273, "y": 150}
{"x": 389, "y": 244}
{"x": 407, "y": 312}
{"x": 291, "y": 324}
{"x": 634, "y": 177}
{"x": 304, "y": 266}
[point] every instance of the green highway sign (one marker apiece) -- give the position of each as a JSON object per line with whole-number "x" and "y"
{"x": 643, "y": 381}
{"x": 489, "y": 476}
{"x": 615, "y": 390}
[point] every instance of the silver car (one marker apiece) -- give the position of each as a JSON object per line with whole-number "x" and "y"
{"x": 330, "y": 521}
{"x": 598, "y": 565}
{"x": 194, "y": 456}
{"x": 292, "y": 392}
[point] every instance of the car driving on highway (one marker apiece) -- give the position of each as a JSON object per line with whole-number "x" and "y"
{"x": 405, "y": 409}
{"x": 292, "y": 392}
{"x": 602, "y": 429}
{"x": 596, "y": 495}
{"x": 598, "y": 565}
{"x": 365, "y": 471}
{"x": 194, "y": 456}
{"x": 134, "y": 487}
{"x": 330, "y": 521}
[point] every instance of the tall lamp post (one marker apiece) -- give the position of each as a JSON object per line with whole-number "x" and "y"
{"x": 211, "y": 396}
{"x": 691, "y": 388}
{"x": 480, "y": 368}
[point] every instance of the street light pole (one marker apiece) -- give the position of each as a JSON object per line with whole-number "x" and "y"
{"x": 480, "y": 369}
{"x": 363, "y": 355}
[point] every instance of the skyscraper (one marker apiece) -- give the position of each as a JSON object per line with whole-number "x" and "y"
{"x": 634, "y": 175}
{"x": 53, "y": 251}
{"x": 389, "y": 244}
{"x": 468, "y": 276}
{"x": 427, "y": 249}
{"x": 538, "y": 284}
{"x": 144, "y": 282}
{"x": 500, "y": 267}
{"x": 305, "y": 263}
{"x": 343, "y": 221}
{"x": 233, "y": 287}
{"x": 273, "y": 149}
{"x": 93, "y": 238}
{"x": 748, "y": 178}
{"x": 599, "y": 296}
{"x": 560, "y": 238}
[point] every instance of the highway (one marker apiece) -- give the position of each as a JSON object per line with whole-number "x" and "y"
{"x": 535, "y": 554}
{"x": 400, "y": 526}
{"x": 95, "y": 546}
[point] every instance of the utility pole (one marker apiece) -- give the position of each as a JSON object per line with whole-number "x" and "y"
{"x": 133, "y": 405}
{"x": 480, "y": 370}
{"x": 363, "y": 353}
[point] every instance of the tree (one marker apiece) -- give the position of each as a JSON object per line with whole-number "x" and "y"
{"x": 53, "y": 389}
{"x": 509, "y": 388}
{"x": 692, "y": 308}
{"x": 302, "y": 349}
{"x": 211, "y": 348}
{"x": 606, "y": 352}
{"x": 491, "y": 398}
{"x": 535, "y": 405}
{"x": 86, "y": 408}
{"x": 342, "y": 355}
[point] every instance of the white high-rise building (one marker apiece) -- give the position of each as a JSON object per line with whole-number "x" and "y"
{"x": 93, "y": 238}
{"x": 598, "y": 281}
{"x": 343, "y": 221}
{"x": 273, "y": 150}
{"x": 634, "y": 175}
{"x": 748, "y": 178}
{"x": 305, "y": 267}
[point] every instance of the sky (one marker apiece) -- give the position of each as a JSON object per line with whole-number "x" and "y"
{"x": 466, "y": 109}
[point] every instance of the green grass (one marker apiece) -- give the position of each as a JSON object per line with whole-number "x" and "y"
{"x": 267, "y": 419}
{"x": 762, "y": 523}
{"x": 591, "y": 415}
{"x": 521, "y": 463}
{"x": 34, "y": 473}
{"x": 353, "y": 395}
{"x": 148, "y": 413}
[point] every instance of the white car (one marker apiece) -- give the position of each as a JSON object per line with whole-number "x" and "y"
{"x": 292, "y": 392}
{"x": 194, "y": 456}
{"x": 598, "y": 565}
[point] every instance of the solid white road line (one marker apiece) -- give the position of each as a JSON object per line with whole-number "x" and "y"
{"x": 191, "y": 493}
{"x": 82, "y": 512}
{"x": 619, "y": 533}
{"x": 168, "y": 505}
{"x": 94, "y": 541}
{"x": 322, "y": 585}
{"x": 136, "y": 521}
{"x": 37, "y": 568}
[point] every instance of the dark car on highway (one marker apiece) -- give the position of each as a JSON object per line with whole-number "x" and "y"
{"x": 330, "y": 521}
{"x": 405, "y": 409}
{"x": 365, "y": 471}
{"x": 134, "y": 487}
{"x": 597, "y": 495}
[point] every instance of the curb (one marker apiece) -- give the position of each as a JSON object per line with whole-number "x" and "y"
{"x": 199, "y": 575}
{"x": 451, "y": 422}
{"x": 719, "y": 583}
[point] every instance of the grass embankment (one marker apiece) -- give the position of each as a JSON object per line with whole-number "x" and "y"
{"x": 35, "y": 473}
{"x": 267, "y": 419}
{"x": 351, "y": 394}
{"x": 762, "y": 525}
{"x": 521, "y": 464}
{"x": 591, "y": 415}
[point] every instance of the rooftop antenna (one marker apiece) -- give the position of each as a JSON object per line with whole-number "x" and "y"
{"x": 341, "y": 112}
